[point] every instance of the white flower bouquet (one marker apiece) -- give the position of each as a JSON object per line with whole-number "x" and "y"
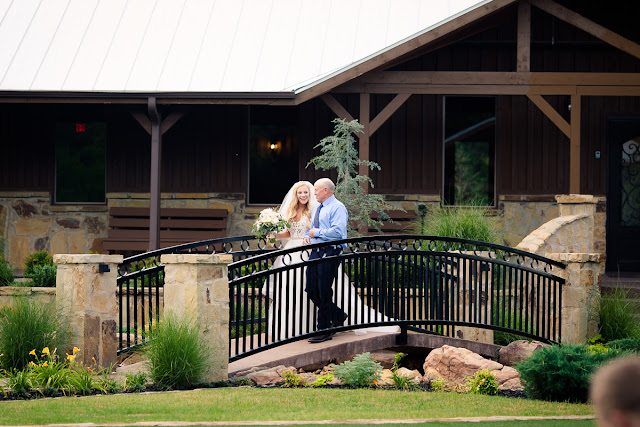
{"x": 269, "y": 222}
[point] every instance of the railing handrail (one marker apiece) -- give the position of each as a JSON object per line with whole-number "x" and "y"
{"x": 384, "y": 243}
{"x": 191, "y": 245}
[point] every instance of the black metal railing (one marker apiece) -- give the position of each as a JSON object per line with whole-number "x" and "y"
{"x": 426, "y": 284}
{"x": 140, "y": 284}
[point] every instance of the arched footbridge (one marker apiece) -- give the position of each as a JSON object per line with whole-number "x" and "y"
{"x": 401, "y": 289}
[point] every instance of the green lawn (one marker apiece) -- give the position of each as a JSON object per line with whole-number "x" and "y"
{"x": 252, "y": 404}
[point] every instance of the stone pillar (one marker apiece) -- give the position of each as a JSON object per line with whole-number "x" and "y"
{"x": 197, "y": 286}
{"x": 86, "y": 290}
{"x": 580, "y": 295}
{"x": 580, "y": 204}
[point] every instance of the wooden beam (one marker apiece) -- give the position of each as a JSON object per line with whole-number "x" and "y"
{"x": 387, "y": 112}
{"x": 363, "y": 151}
{"x": 523, "y": 55}
{"x": 336, "y": 107}
{"x": 496, "y": 78}
{"x": 608, "y": 90}
{"x": 551, "y": 113}
{"x": 142, "y": 119}
{"x": 171, "y": 120}
{"x": 588, "y": 26}
{"x": 574, "y": 147}
{"x": 426, "y": 89}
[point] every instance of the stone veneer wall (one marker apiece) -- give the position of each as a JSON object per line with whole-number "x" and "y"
{"x": 29, "y": 223}
{"x": 42, "y": 295}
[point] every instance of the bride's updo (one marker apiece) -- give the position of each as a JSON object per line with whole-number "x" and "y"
{"x": 293, "y": 204}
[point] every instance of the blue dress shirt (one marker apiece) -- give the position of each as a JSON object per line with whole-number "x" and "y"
{"x": 333, "y": 221}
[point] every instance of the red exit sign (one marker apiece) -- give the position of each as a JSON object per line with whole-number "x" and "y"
{"x": 81, "y": 127}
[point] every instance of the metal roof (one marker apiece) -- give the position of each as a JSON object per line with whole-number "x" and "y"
{"x": 201, "y": 45}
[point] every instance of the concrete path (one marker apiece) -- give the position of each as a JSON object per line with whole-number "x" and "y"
{"x": 323, "y": 422}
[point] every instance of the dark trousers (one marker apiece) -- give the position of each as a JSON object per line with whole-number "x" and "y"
{"x": 319, "y": 279}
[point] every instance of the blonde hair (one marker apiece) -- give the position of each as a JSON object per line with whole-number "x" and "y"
{"x": 293, "y": 204}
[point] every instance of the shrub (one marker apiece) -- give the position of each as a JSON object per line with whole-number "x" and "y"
{"x": 28, "y": 325}
{"x": 36, "y": 259}
{"x": 465, "y": 222}
{"x": 625, "y": 345}
{"x": 6, "y": 273}
{"x": 135, "y": 382}
{"x": 483, "y": 382}
{"x": 322, "y": 380}
{"x": 20, "y": 382}
{"x": 177, "y": 355}
{"x": 291, "y": 379}
{"x": 362, "y": 371}
{"x": 44, "y": 275}
{"x": 617, "y": 319}
{"x": 438, "y": 384}
{"x": 561, "y": 372}
{"x": 48, "y": 372}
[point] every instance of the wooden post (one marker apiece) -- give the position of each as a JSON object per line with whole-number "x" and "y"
{"x": 524, "y": 37}
{"x": 574, "y": 150}
{"x": 363, "y": 151}
{"x": 156, "y": 163}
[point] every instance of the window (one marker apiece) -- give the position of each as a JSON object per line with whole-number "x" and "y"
{"x": 273, "y": 154}
{"x": 80, "y": 162}
{"x": 469, "y": 151}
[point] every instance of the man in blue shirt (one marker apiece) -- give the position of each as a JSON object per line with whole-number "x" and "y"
{"x": 329, "y": 223}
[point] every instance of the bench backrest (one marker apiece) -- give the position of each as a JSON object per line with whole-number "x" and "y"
{"x": 129, "y": 227}
{"x": 403, "y": 222}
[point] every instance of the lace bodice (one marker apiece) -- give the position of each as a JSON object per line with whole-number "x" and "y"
{"x": 299, "y": 229}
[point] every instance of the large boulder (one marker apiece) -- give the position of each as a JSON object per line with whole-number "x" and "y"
{"x": 518, "y": 351}
{"x": 455, "y": 365}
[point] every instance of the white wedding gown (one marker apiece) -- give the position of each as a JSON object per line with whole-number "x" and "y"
{"x": 290, "y": 302}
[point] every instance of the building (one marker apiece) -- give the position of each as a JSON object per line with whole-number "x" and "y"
{"x": 219, "y": 104}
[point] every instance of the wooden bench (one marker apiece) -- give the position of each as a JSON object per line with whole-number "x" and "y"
{"x": 129, "y": 227}
{"x": 403, "y": 223}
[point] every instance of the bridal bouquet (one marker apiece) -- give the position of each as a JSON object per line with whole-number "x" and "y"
{"x": 269, "y": 222}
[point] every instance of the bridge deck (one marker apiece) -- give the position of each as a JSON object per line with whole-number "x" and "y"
{"x": 302, "y": 353}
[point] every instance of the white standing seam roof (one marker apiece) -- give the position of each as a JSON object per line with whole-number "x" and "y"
{"x": 244, "y": 46}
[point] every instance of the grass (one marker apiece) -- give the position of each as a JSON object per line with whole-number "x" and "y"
{"x": 617, "y": 316}
{"x": 29, "y": 325}
{"x": 177, "y": 355}
{"x": 254, "y": 404}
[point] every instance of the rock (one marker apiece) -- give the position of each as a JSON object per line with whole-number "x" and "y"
{"x": 386, "y": 377}
{"x": 456, "y": 364}
{"x": 386, "y": 358}
{"x": 266, "y": 376}
{"x": 518, "y": 351}
{"x": 409, "y": 373}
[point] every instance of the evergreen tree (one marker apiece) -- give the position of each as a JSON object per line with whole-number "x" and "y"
{"x": 339, "y": 153}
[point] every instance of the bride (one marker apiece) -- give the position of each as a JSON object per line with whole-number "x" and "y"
{"x": 291, "y": 312}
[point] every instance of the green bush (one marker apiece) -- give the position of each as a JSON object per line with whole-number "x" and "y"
{"x": 177, "y": 355}
{"x": 36, "y": 259}
{"x": 617, "y": 316}
{"x": 362, "y": 371}
{"x": 6, "y": 273}
{"x": 561, "y": 372}
{"x": 483, "y": 382}
{"x": 465, "y": 222}
{"x": 626, "y": 345}
{"x": 27, "y": 325}
{"x": 44, "y": 275}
